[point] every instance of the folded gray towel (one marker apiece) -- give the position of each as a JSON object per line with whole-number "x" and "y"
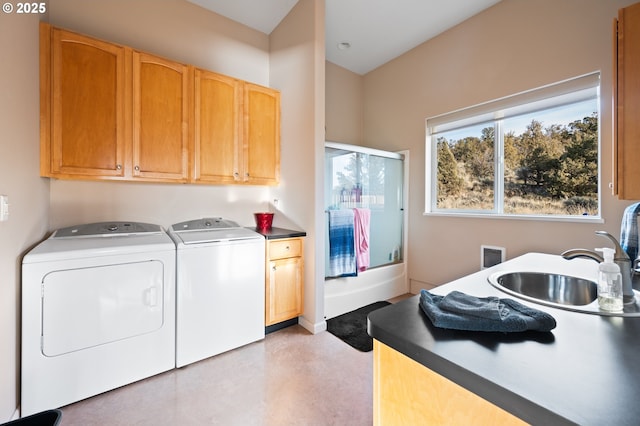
{"x": 461, "y": 311}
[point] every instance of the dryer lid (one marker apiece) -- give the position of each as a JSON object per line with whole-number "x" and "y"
{"x": 100, "y": 239}
{"x": 207, "y": 223}
{"x": 105, "y": 229}
{"x": 228, "y": 235}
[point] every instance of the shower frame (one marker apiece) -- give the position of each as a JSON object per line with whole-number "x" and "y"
{"x": 383, "y": 282}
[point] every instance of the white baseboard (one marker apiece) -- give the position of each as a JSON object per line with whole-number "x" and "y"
{"x": 311, "y": 327}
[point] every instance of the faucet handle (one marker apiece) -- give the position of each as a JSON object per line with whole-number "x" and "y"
{"x": 620, "y": 253}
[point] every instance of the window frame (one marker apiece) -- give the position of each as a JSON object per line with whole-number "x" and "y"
{"x": 565, "y": 92}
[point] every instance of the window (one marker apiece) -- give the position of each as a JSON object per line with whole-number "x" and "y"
{"x": 534, "y": 154}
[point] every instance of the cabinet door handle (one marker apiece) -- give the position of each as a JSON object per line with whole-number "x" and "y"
{"x": 273, "y": 268}
{"x": 287, "y": 248}
{"x": 118, "y": 166}
{"x": 136, "y": 168}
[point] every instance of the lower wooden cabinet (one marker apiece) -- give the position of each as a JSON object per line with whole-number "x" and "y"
{"x": 408, "y": 393}
{"x": 284, "y": 280}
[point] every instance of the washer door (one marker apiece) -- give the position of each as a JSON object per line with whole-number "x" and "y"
{"x": 87, "y": 307}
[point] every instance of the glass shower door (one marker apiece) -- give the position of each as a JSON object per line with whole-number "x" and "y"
{"x": 357, "y": 177}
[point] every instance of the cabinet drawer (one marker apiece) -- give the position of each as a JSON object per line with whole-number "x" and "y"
{"x": 280, "y": 249}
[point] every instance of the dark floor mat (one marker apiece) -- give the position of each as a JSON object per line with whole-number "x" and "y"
{"x": 352, "y": 326}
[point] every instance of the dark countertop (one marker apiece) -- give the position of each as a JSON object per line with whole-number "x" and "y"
{"x": 585, "y": 371}
{"x": 275, "y": 233}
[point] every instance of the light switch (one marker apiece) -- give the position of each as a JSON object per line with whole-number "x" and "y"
{"x": 4, "y": 208}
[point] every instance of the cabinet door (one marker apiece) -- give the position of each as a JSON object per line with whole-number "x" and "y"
{"x": 285, "y": 290}
{"x": 407, "y": 393}
{"x": 160, "y": 118}
{"x": 261, "y": 147}
{"x": 88, "y": 121}
{"x": 217, "y": 132}
{"x": 628, "y": 103}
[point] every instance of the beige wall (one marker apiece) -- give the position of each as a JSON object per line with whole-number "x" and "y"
{"x": 344, "y": 100}
{"x": 514, "y": 46}
{"x": 19, "y": 179}
{"x": 297, "y": 68}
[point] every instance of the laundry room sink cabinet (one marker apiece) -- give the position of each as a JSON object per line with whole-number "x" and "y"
{"x": 284, "y": 280}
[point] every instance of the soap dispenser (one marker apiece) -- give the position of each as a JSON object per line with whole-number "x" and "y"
{"x": 609, "y": 283}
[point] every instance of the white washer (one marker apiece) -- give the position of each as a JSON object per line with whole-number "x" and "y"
{"x": 98, "y": 311}
{"x": 220, "y": 287}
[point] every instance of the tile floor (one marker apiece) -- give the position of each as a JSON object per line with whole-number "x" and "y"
{"x": 292, "y": 377}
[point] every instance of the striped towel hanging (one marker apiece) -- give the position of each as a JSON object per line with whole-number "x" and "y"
{"x": 342, "y": 255}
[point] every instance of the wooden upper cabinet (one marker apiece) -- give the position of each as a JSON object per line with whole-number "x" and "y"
{"x": 160, "y": 118}
{"x": 262, "y": 134}
{"x": 110, "y": 112}
{"x": 86, "y": 121}
{"x": 237, "y": 131}
{"x": 217, "y": 133}
{"x": 627, "y": 92}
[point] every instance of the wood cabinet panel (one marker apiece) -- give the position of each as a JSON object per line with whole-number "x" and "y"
{"x": 237, "y": 131}
{"x": 281, "y": 249}
{"x": 262, "y": 134}
{"x": 217, "y": 135}
{"x": 407, "y": 393}
{"x": 627, "y": 92}
{"x": 285, "y": 298}
{"x": 88, "y": 87}
{"x": 109, "y": 112}
{"x": 284, "y": 293}
{"x": 160, "y": 118}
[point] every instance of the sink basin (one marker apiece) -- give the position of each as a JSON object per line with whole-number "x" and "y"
{"x": 557, "y": 290}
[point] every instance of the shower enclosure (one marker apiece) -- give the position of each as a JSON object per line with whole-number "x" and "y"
{"x": 364, "y": 178}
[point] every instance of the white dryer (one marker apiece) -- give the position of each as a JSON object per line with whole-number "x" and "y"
{"x": 220, "y": 287}
{"x": 98, "y": 311}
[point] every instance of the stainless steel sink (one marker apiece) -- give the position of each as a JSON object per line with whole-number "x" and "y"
{"x": 554, "y": 288}
{"x": 557, "y": 290}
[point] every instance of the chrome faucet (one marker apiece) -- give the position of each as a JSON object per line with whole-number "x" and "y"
{"x": 621, "y": 258}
